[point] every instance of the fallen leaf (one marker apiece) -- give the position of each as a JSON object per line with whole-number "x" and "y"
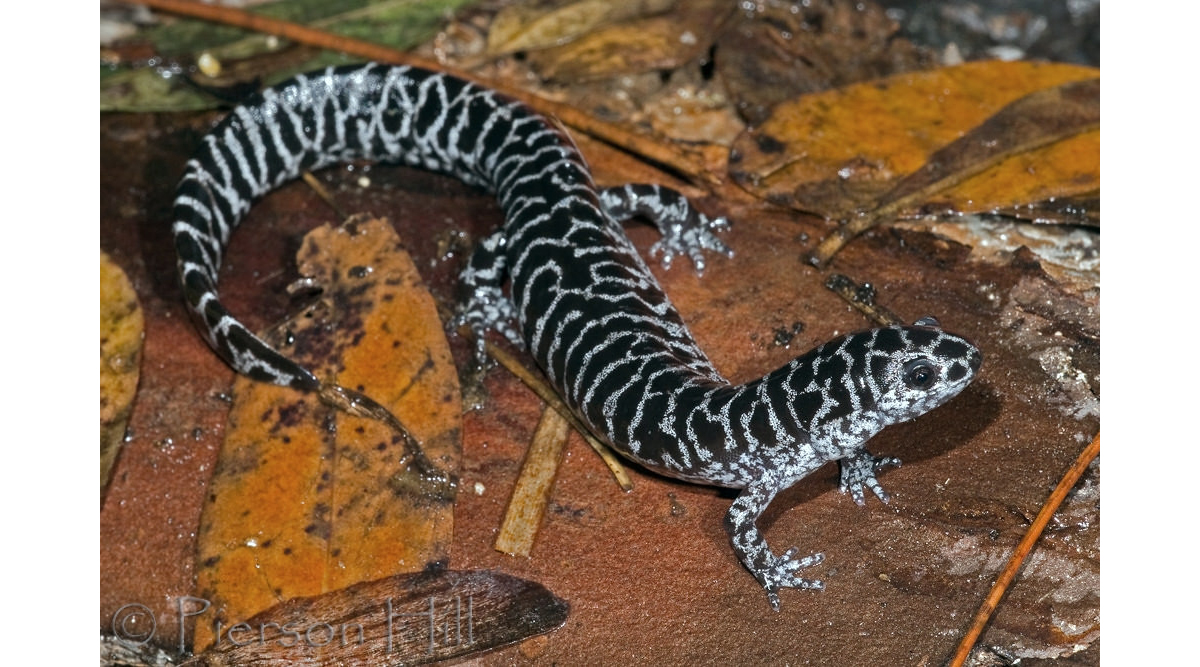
{"x": 401, "y": 620}
{"x": 122, "y": 330}
{"x": 1041, "y": 118}
{"x": 523, "y": 27}
{"x": 838, "y": 153}
{"x": 1083, "y": 210}
{"x": 782, "y": 50}
{"x": 979, "y": 166}
{"x": 630, "y": 47}
{"x": 307, "y": 499}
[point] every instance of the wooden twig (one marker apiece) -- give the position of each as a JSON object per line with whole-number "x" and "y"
{"x": 531, "y": 494}
{"x": 323, "y": 193}
{"x": 1023, "y": 548}
{"x": 683, "y": 161}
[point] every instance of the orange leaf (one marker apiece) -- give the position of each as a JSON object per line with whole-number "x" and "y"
{"x": 837, "y": 153}
{"x": 122, "y": 329}
{"x": 306, "y": 499}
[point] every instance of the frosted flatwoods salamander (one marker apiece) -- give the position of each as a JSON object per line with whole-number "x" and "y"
{"x": 579, "y": 298}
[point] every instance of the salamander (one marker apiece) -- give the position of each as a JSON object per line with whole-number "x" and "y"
{"x": 560, "y": 278}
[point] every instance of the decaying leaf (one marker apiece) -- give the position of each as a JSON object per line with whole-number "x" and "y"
{"x": 170, "y": 83}
{"x": 523, "y": 27}
{"x": 121, "y": 332}
{"x": 642, "y": 45}
{"x": 782, "y": 50}
{"x": 401, "y": 620}
{"x": 531, "y": 493}
{"x": 1083, "y": 210}
{"x": 307, "y": 499}
{"x": 840, "y": 152}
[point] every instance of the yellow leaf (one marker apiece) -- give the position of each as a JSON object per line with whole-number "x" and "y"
{"x": 635, "y": 46}
{"x": 523, "y": 27}
{"x": 122, "y": 329}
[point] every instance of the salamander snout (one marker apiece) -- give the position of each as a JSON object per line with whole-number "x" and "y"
{"x": 917, "y": 368}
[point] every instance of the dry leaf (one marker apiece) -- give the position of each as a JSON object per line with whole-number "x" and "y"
{"x": 1039, "y": 119}
{"x": 523, "y": 27}
{"x": 630, "y": 47}
{"x": 783, "y": 50}
{"x": 402, "y": 620}
{"x": 1083, "y": 210}
{"x": 121, "y": 332}
{"x": 840, "y": 152}
{"x": 307, "y": 499}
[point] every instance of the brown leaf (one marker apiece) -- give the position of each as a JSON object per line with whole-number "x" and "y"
{"x": 524, "y": 27}
{"x": 630, "y": 47}
{"x": 401, "y": 620}
{"x": 840, "y": 152}
{"x": 783, "y": 50}
{"x": 122, "y": 330}
{"x": 306, "y": 499}
{"x": 1083, "y": 210}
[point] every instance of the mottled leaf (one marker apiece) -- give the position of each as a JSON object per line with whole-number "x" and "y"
{"x": 840, "y": 152}
{"x": 122, "y": 330}
{"x": 401, "y": 620}
{"x": 307, "y": 499}
{"x": 1049, "y": 117}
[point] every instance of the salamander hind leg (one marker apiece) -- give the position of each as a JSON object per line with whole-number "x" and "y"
{"x": 483, "y": 304}
{"x": 858, "y": 471}
{"x": 772, "y": 572}
{"x": 685, "y": 230}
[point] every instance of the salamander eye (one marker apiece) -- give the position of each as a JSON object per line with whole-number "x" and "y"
{"x": 920, "y": 374}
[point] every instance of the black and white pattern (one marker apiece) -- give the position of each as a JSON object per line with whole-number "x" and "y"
{"x": 578, "y": 296}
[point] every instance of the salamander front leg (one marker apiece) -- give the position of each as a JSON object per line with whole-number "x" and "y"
{"x": 773, "y": 572}
{"x": 859, "y": 470}
{"x": 685, "y": 230}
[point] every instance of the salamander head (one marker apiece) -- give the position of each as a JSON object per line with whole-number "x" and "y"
{"x": 847, "y": 390}
{"x": 914, "y": 369}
